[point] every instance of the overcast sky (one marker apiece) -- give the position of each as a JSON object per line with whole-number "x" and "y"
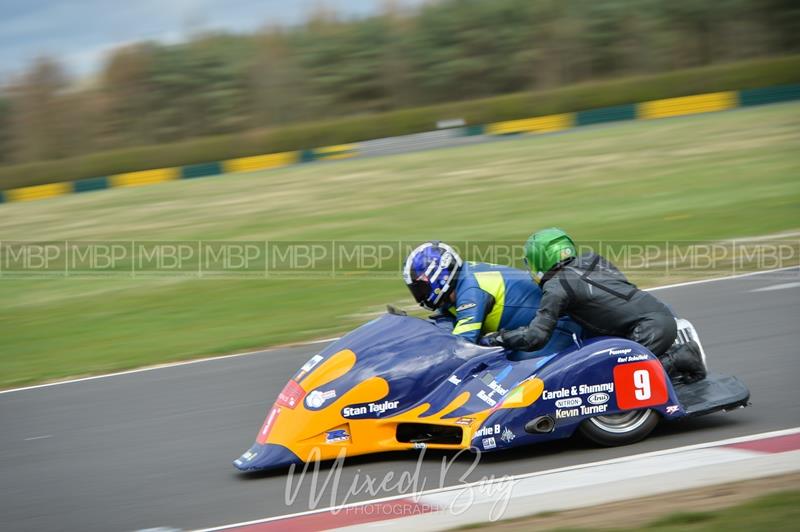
{"x": 81, "y": 32}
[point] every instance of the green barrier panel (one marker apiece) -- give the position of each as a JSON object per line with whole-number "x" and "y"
{"x": 781, "y": 93}
{"x": 306, "y": 156}
{"x": 605, "y": 114}
{"x": 88, "y": 185}
{"x": 201, "y": 170}
{"x": 471, "y": 131}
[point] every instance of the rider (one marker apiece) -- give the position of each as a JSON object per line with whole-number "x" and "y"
{"x": 595, "y": 294}
{"x": 481, "y": 297}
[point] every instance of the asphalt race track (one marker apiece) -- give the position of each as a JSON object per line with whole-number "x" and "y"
{"x": 154, "y": 448}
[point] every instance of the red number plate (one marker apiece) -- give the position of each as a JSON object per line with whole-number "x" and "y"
{"x": 640, "y": 384}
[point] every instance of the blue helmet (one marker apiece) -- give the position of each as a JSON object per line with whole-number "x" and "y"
{"x": 430, "y": 273}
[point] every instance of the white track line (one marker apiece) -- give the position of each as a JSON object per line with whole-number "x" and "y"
{"x": 313, "y": 342}
{"x": 729, "y": 277}
{"x": 165, "y": 366}
{"x": 621, "y": 459}
{"x": 782, "y": 286}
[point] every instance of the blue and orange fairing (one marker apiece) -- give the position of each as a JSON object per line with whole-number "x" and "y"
{"x": 356, "y": 396}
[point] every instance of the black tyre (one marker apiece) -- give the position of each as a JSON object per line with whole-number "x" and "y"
{"x": 620, "y": 429}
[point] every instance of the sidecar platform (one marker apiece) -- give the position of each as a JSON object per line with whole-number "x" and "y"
{"x": 715, "y": 392}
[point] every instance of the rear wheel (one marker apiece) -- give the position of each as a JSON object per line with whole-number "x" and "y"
{"x": 620, "y": 429}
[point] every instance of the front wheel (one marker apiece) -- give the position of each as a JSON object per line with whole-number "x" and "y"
{"x": 620, "y": 429}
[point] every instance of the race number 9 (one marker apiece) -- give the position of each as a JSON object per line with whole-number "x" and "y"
{"x": 640, "y": 384}
{"x": 641, "y": 380}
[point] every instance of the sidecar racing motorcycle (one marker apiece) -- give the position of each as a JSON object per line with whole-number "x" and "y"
{"x": 401, "y": 382}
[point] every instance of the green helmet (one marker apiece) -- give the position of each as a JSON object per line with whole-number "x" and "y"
{"x": 546, "y": 249}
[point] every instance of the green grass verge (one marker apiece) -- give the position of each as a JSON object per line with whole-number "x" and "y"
{"x": 733, "y": 76}
{"x": 711, "y": 176}
{"x": 777, "y": 511}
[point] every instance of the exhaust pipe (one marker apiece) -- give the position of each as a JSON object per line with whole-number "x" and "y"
{"x": 540, "y": 425}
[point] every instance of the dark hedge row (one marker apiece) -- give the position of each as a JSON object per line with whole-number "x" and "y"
{"x": 734, "y": 76}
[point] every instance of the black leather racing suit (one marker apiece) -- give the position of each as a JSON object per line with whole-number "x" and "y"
{"x": 594, "y": 293}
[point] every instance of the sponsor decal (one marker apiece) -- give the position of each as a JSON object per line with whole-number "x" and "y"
{"x": 317, "y": 398}
{"x": 336, "y": 435}
{"x": 598, "y": 398}
{"x": 507, "y": 435}
{"x": 614, "y": 351}
{"x": 486, "y": 398}
{"x": 584, "y": 389}
{"x": 583, "y": 410}
{"x": 489, "y": 443}
{"x": 313, "y": 361}
{"x": 493, "y": 383}
{"x": 495, "y": 387}
{"x": 465, "y": 421}
{"x": 263, "y": 434}
{"x": 369, "y": 408}
{"x": 557, "y": 394}
{"x": 632, "y": 358}
{"x": 672, "y": 409}
{"x": 487, "y": 430}
{"x": 308, "y": 366}
{"x": 595, "y": 409}
{"x": 420, "y": 445}
{"x": 454, "y": 380}
{"x": 575, "y": 391}
{"x": 466, "y": 306}
{"x": 291, "y": 394}
{"x": 569, "y": 402}
{"x": 248, "y": 456}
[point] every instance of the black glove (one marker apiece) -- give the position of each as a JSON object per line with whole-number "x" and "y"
{"x": 516, "y": 339}
{"x": 493, "y": 339}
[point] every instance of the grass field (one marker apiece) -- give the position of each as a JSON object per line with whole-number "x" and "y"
{"x": 772, "y": 512}
{"x": 767, "y": 512}
{"x": 713, "y": 176}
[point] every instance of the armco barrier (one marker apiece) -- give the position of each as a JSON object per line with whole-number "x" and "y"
{"x": 539, "y": 124}
{"x": 440, "y": 138}
{"x": 605, "y": 114}
{"x": 261, "y": 162}
{"x": 90, "y": 185}
{"x": 341, "y": 151}
{"x": 38, "y": 192}
{"x": 145, "y": 177}
{"x": 783, "y": 93}
{"x": 685, "y": 105}
{"x": 201, "y": 170}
